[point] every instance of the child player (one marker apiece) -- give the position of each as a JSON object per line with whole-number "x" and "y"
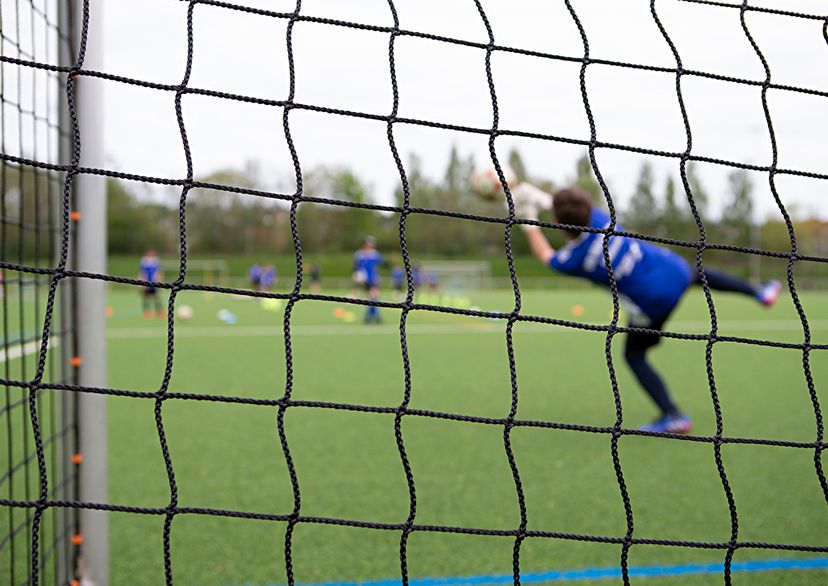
{"x": 367, "y": 262}
{"x": 254, "y": 276}
{"x": 398, "y": 281}
{"x": 149, "y": 269}
{"x": 267, "y": 279}
{"x": 651, "y": 281}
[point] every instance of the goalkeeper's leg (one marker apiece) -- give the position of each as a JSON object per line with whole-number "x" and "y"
{"x": 671, "y": 419}
{"x": 635, "y": 352}
{"x": 766, "y": 294}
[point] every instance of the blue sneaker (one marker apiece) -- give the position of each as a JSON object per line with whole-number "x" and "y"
{"x": 669, "y": 424}
{"x": 769, "y": 293}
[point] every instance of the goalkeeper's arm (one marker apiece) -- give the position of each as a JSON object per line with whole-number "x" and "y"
{"x": 529, "y": 200}
{"x": 538, "y": 244}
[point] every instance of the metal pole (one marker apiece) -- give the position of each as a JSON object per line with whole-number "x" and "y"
{"x": 90, "y": 249}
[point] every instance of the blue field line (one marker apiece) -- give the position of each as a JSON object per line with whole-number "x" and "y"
{"x": 594, "y": 573}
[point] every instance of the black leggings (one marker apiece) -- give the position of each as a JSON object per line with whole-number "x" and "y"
{"x": 637, "y": 345}
{"x": 721, "y": 281}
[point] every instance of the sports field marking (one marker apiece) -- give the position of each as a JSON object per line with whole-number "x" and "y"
{"x": 16, "y": 351}
{"x": 595, "y": 573}
{"x": 496, "y": 327}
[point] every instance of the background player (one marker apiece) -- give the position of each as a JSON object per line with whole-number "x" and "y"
{"x": 254, "y": 276}
{"x": 398, "y": 281}
{"x": 367, "y": 262}
{"x": 315, "y": 272}
{"x": 267, "y": 279}
{"x": 149, "y": 269}
{"x": 651, "y": 280}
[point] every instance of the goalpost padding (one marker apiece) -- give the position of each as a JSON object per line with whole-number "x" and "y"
{"x": 521, "y": 532}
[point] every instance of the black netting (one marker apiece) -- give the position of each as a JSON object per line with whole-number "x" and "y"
{"x": 39, "y": 436}
{"x": 43, "y": 269}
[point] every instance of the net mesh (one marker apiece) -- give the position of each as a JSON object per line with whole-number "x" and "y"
{"x": 25, "y": 390}
{"x": 39, "y": 423}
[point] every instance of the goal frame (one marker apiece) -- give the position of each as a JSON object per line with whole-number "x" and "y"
{"x": 84, "y": 299}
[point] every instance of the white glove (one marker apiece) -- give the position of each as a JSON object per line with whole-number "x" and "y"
{"x": 529, "y": 201}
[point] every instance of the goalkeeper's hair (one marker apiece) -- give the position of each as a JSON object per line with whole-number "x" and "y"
{"x": 572, "y": 205}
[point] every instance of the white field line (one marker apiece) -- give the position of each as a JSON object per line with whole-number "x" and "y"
{"x": 493, "y": 327}
{"x": 17, "y": 350}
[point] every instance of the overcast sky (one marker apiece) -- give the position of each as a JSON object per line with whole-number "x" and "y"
{"x": 345, "y": 68}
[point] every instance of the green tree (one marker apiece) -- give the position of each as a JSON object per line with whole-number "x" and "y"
{"x": 336, "y": 227}
{"x": 458, "y": 173}
{"x": 643, "y": 214}
{"x": 220, "y": 222}
{"x": 121, "y": 212}
{"x": 697, "y": 190}
{"x": 518, "y": 166}
{"x": 356, "y": 223}
{"x": 134, "y": 225}
{"x": 585, "y": 179}
{"x": 675, "y": 218}
{"x": 215, "y": 218}
{"x": 672, "y": 212}
{"x": 737, "y": 216}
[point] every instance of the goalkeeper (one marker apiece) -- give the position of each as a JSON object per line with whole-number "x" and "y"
{"x": 651, "y": 281}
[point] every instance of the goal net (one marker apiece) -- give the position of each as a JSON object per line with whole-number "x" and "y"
{"x": 39, "y": 448}
{"x": 42, "y": 539}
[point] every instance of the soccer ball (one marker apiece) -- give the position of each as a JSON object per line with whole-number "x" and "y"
{"x": 486, "y": 184}
{"x": 184, "y": 312}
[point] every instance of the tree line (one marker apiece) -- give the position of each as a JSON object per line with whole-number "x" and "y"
{"x": 221, "y": 223}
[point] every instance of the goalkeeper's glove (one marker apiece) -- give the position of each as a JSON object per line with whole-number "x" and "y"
{"x": 529, "y": 202}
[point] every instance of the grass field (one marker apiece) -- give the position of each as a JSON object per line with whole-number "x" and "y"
{"x": 228, "y": 456}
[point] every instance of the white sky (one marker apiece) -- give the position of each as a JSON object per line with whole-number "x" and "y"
{"x": 344, "y": 68}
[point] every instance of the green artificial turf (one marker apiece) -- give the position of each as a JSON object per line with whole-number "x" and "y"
{"x": 228, "y": 456}
{"x": 348, "y": 466}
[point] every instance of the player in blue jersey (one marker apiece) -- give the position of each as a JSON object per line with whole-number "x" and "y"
{"x": 416, "y": 276}
{"x": 149, "y": 269}
{"x": 398, "y": 280}
{"x": 651, "y": 280}
{"x": 254, "y": 275}
{"x": 367, "y": 263}
{"x": 267, "y": 278}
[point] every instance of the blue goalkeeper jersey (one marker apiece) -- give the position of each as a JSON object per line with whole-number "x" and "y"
{"x": 650, "y": 279}
{"x": 367, "y": 263}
